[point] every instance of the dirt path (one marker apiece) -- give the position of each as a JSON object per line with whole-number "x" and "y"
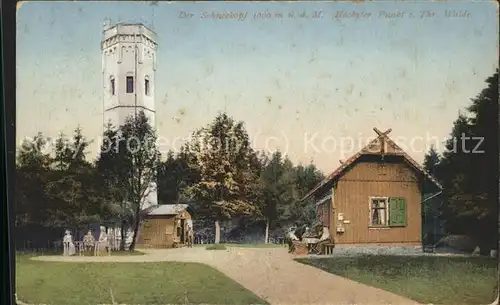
{"x": 269, "y": 273}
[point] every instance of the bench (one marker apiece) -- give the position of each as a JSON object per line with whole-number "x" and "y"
{"x": 328, "y": 248}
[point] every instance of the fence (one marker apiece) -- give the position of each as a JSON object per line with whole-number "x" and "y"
{"x": 115, "y": 242}
{"x": 56, "y": 246}
{"x": 47, "y": 246}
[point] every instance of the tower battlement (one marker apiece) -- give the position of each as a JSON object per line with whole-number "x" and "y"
{"x": 126, "y": 32}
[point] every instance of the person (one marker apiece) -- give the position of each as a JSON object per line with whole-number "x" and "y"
{"x": 89, "y": 241}
{"x": 69, "y": 246}
{"x": 72, "y": 249}
{"x": 190, "y": 234}
{"x": 299, "y": 232}
{"x": 317, "y": 229}
{"x": 103, "y": 243}
{"x": 66, "y": 241}
{"x": 290, "y": 238}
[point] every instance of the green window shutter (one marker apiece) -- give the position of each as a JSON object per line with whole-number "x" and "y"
{"x": 397, "y": 212}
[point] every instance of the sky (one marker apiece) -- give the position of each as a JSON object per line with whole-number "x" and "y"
{"x": 312, "y": 88}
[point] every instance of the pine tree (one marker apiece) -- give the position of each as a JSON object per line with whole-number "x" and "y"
{"x": 72, "y": 185}
{"x": 431, "y": 161}
{"x": 469, "y": 169}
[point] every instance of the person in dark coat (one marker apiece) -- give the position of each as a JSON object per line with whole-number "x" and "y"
{"x": 299, "y": 232}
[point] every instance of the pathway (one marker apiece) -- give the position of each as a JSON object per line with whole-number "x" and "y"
{"x": 270, "y": 273}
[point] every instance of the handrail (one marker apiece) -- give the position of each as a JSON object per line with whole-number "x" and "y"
{"x": 322, "y": 200}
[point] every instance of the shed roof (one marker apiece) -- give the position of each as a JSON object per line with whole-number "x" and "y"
{"x": 167, "y": 209}
{"x": 375, "y": 147}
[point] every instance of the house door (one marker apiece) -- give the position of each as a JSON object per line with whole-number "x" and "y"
{"x": 183, "y": 231}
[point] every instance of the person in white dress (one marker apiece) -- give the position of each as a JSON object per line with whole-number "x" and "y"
{"x": 69, "y": 246}
{"x": 103, "y": 243}
{"x": 190, "y": 236}
{"x": 290, "y": 238}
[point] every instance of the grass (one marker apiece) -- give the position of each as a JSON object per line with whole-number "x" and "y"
{"x": 125, "y": 253}
{"x": 63, "y": 283}
{"x": 256, "y": 245}
{"x": 436, "y": 280}
{"x": 216, "y": 247}
{"x": 114, "y": 253}
{"x": 234, "y": 245}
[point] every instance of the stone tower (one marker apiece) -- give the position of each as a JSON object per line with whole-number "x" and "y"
{"x": 128, "y": 69}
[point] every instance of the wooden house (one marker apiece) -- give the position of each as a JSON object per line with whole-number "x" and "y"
{"x": 165, "y": 226}
{"x": 375, "y": 197}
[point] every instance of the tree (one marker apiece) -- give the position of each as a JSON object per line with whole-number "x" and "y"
{"x": 277, "y": 187}
{"x": 431, "y": 160}
{"x": 283, "y": 185}
{"x": 32, "y": 171}
{"x": 468, "y": 169}
{"x": 112, "y": 166}
{"x": 72, "y": 185}
{"x": 62, "y": 153}
{"x": 32, "y": 153}
{"x": 306, "y": 178}
{"x": 221, "y": 154}
{"x": 454, "y": 171}
{"x": 431, "y": 208}
{"x": 77, "y": 150}
{"x": 484, "y": 158}
{"x": 139, "y": 156}
{"x": 174, "y": 176}
{"x": 168, "y": 180}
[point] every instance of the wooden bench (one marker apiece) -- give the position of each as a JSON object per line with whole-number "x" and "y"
{"x": 328, "y": 248}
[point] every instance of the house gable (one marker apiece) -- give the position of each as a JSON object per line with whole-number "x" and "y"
{"x": 384, "y": 148}
{"x": 390, "y": 169}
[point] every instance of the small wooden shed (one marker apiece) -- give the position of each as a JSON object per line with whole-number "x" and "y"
{"x": 165, "y": 226}
{"x": 375, "y": 197}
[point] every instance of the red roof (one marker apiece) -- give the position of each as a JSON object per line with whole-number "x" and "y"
{"x": 375, "y": 147}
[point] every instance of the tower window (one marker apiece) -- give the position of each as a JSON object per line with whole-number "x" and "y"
{"x": 112, "y": 85}
{"x": 130, "y": 84}
{"x": 146, "y": 86}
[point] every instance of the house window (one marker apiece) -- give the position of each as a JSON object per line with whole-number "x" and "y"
{"x": 146, "y": 86}
{"x": 378, "y": 211}
{"x": 112, "y": 85}
{"x": 387, "y": 212}
{"x": 130, "y": 84}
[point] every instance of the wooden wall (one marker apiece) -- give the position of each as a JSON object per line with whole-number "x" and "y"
{"x": 371, "y": 179}
{"x": 160, "y": 231}
{"x": 157, "y": 232}
{"x": 324, "y": 211}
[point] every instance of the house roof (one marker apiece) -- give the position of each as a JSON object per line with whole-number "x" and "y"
{"x": 382, "y": 145}
{"x": 167, "y": 209}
